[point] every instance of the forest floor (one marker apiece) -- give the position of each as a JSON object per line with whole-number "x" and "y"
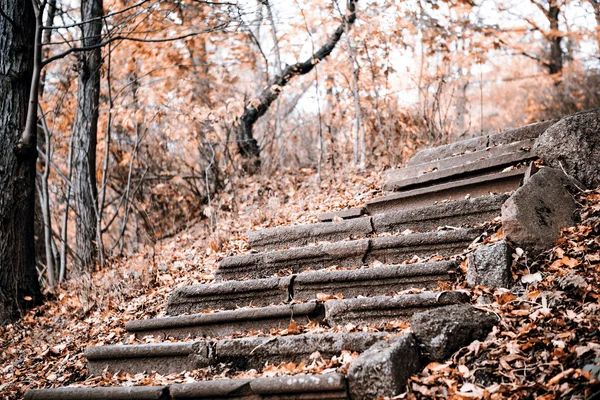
{"x": 547, "y": 344}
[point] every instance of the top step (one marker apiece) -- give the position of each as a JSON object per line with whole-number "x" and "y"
{"x": 531, "y": 131}
{"x": 468, "y": 164}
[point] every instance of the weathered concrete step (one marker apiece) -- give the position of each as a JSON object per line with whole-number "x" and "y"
{"x": 461, "y": 171}
{"x": 484, "y": 185}
{"x": 459, "y": 213}
{"x": 299, "y": 387}
{"x": 240, "y": 354}
{"x": 229, "y": 295}
{"x": 377, "y": 310}
{"x": 417, "y": 170}
{"x": 227, "y": 322}
{"x": 388, "y": 249}
{"x": 371, "y": 310}
{"x": 348, "y": 213}
{"x": 101, "y": 393}
{"x": 306, "y": 286}
{"x": 531, "y": 131}
{"x": 299, "y": 235}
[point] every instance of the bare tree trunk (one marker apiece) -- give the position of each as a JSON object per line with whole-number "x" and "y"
{"x": 46, "y": 35}
{"x": 359, "y": 139}
{"x": 247, "y": 144}
{"x": 555, "y": 64}
{"x": 84, "y": 137}
{"x": 45, "y": 205}
{"x": 596, "y": 5}
{"x": 19, "y": 287}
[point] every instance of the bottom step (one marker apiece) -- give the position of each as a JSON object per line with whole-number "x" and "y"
{"x": 300, "y": 387}
{"x": 240, "y": 354}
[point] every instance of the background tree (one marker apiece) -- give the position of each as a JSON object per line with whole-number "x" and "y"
{"x": 19, "y": 287}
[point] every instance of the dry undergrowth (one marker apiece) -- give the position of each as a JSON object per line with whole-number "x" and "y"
{"x": 547, "y": 343}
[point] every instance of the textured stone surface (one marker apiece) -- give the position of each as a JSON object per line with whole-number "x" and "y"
{"x": 377, "y": 310}
{"x": 100, "y": 393}
{"x": 298, "y": 235}
{"x": 227, "y": 322}
{"x": 393, "y": 249}
{"x": 372, "y": 281}
{"x": 228, "y": 295}
{"x": 534, "y": 215}
{"x": 164, "y": 358}
{"x": 479, "y": 167}
{"x": 531, "y": 131}
{"x": 382, "y": 370}
{"x": 489, "y": 265}
{"x": 240, "y": 354}
{"x": 451, "y": 162}
{"x": 317, "y": 387}
{"x": 307, "y": 387}
{"x": 573, "y": 144}
{"x": 348, "y": 213}
{"x": 248, "y": 266}
{"x": 388, "y": 249}
{"x": 484, "y": 185}
{"x": 468, "y": 212}
{"x": 442, "y": 331}
{"x": 253, "y": 352}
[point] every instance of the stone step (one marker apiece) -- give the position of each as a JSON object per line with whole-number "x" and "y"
{"x": 298, "y": 387}
{"x": 352, "y": 253}
{"x": 417, "y": 170}
{"x": 300, "y": 235}
{"x": 371, "y": 310}
{"x": 239, "y": 354}
{"x": 531, "y": 131}
{"x": 305, "y": 287}
{"x": 227, "y": 322}
{"x": 479, "y": 186}
{"x": 348, "y": 213}
{"x": 461, "y": 171}
{"x": 459, "y": 213}
{"x": 382, "y": 309}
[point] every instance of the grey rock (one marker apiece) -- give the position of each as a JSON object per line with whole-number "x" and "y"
{"x": 382, "y": 370}
{"x": 534, "y": 215}
{"x": 372, "y": 281}
{"x": 377, "y": 310}
{"x": 298, "y": 235}
{"x": 205, "y": 390}
{"x": 100, "y": 393}
{"x": 531, "y": 131}
{"x": 573, "y": 144}
{"x": 490, "y": 265}
{"x": 483, "y": 185}
{"x": 228, "y": 295}
{"x": 442, "y": 331}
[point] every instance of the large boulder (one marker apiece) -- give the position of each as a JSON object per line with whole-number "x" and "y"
{"x": 533, "y": 217}
{"x": 573, "y": 144}
{"x": 444, "y": 330}
{"x": 384, "y": 368}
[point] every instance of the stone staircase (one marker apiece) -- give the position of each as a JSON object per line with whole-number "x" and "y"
{"x": 433, "y": 209}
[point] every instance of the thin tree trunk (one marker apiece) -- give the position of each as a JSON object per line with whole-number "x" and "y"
{"x": 555, "y": 64}
{"x": 45, "y": 205}
{"x": 65, "y": 221}
{"x": 596, "y": 6}
{"x": 19, "y": 286}
{"x": 84, "y": 137}
{"x": 46, "y": 35}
